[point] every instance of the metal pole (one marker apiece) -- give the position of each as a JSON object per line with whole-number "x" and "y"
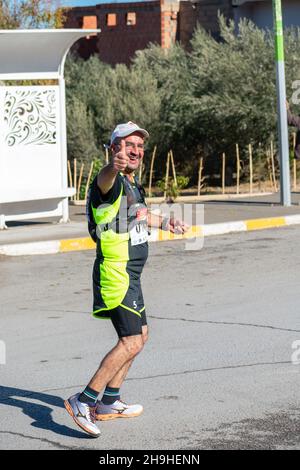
{"x": 285, "y": 190}
{"x": 63, "y": 142}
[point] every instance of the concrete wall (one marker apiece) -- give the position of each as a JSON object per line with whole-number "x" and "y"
{"x": 204, "y": 12}
{"x": 260, "y": 12}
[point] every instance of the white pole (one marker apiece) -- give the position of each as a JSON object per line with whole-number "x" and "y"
{"x": 285, "y": 190}
{"x": 63, "y": 143}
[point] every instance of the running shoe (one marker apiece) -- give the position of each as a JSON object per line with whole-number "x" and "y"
{"x": 118, "y": 409}
{"x": 83, "y": 415}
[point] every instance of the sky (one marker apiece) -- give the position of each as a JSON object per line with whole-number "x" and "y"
{"x": 81, "y": 3}
{"x": 78, "y": 3}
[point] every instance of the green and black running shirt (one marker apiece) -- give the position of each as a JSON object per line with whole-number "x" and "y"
{"x": 118, "y": 224}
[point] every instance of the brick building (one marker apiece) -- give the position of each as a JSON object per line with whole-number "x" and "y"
{"x": 125, "y": 28}
{"x": 130, "y": 26}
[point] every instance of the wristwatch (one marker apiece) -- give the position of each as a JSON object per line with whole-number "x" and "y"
{"x": 165, "y": 221}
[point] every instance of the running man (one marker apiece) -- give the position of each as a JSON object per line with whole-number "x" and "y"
{"x": 118, "y": 222}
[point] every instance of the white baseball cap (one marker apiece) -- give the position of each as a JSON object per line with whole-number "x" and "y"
{"x": 123, "y": 130}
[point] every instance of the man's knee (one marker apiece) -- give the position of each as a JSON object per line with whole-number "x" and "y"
{"x": 132, "y": 345}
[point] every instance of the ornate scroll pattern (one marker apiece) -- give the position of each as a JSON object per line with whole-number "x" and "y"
{"x": 30, "y": 117}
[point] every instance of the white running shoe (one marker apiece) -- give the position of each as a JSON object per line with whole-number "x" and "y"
{"x": 118, "y": 409}
{"x": 83, "y": 415}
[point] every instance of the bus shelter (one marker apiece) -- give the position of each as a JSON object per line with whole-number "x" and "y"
{"x": 33, "y": 141}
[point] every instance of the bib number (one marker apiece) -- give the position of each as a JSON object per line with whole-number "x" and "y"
{"x": 138, "y": 234}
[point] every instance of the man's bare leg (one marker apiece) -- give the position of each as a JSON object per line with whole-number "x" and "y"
{"x": 119, "y": 377}
{"x": 125, "y": 351}
{"x": 116, "y": 408}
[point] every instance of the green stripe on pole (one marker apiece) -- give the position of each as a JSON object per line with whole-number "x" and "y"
{"x": 279, "y": 50}
{"x": 285, "y": 192}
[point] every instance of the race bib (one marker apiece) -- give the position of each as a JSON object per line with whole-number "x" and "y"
{"x": 138, "y": 234}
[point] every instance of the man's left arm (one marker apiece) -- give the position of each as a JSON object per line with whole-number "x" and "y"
{"x": 293, "y": 120}
{"x": 168, "y": 224}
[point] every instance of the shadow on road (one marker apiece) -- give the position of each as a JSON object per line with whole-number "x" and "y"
{"x": 39, "y": 412}
{"x": 244, "y": 203}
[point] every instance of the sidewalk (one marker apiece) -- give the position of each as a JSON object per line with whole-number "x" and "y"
{"x": 220, "y": 216}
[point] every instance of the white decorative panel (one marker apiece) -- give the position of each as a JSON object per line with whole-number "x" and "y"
{"x": 30, "y": 149}
{"x": 29, "y": 117}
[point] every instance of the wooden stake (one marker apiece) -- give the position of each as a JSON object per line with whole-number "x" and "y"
{"x": 200, "y": 175}
{"x": 106, "y": 155}
{"x": 238, "y": 166}
{"x": 251, "y": 168}
{"x": 223, "y": 172}
{"x": 167, "y": 175}
{"x": 259, "y": 167}
{"x": 88, "y": 180}
{"x": 70, "y": 174}
{"x": 79, "y": 181}
{"x": 151, "y": 172}
{"x": 173, "y": 166}
{"x": 270, "y": 171}
{"x": 75, "y": 177}
{"x": 273, "y": 166}
{"x": 294, "y": 140}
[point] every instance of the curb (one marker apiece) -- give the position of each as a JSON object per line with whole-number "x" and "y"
{"x": 157, "y": 235}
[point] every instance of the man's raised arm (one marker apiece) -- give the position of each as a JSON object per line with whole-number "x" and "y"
{"x": 108, "y": 174}
{"x": 293, "y": 120}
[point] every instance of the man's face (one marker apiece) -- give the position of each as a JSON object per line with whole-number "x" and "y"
{"x": 134, "y": 148}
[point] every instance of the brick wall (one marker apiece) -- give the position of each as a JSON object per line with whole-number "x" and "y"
{"x": 117, "y": 44}
{"x": 169, "y": 17}
{"x": 75, "y": 16}
{"x": 85, "y": 17}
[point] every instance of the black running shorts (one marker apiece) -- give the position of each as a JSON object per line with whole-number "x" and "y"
{"x": 127, "y": 323}
{"x": 129, "y": 317}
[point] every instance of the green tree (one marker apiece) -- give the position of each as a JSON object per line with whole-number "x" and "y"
{"x": 110, "y": 95}
{"x": 31, "y": 14}
{"x": 170, "y": 69}
{"x": 233, "y": 84}
{"x": 199, "y": 103}
{"x": 81, "y": 132}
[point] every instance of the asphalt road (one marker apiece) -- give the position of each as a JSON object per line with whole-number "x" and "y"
{"x": 216, "y": 373}
{"x": 204, "y": 212}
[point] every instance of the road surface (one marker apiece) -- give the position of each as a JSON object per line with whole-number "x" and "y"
{"x": 217, "y": 372}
